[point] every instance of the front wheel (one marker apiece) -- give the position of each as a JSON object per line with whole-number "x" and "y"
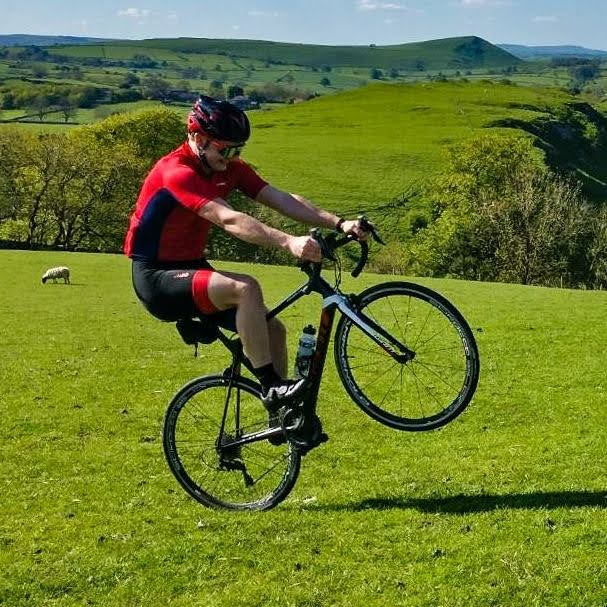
{"x": 202, "y": 428}
{"x": 426, "y": 391}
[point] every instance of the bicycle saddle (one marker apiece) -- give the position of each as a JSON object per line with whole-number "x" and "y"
{"x": 195, "y": 331}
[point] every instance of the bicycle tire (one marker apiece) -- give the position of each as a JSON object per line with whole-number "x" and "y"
{"x": 425, "y": 374}
{"x": 190, "y": 446}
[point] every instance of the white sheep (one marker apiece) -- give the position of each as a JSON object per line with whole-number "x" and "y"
{"x": 55, "y": 273}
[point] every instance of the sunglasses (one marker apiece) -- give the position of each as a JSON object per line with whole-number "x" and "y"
{"x": 226, "y": 150}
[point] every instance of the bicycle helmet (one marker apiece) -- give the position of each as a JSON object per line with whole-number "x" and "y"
{"x": 219, "y": 120}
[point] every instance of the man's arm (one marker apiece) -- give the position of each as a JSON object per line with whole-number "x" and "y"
{"x": 296, "y": 207}
{"x": 302, "y": 210}
{"x": 249, "y": 229}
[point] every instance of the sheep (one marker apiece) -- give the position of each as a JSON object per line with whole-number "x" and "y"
{"x": 59, "y": 272}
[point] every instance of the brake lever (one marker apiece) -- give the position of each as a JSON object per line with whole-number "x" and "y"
{"x": 376, "y": 236}
{"x": 367, "y": 226}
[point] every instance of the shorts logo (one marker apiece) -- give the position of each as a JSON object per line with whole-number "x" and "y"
{"x": 182, "y": 275}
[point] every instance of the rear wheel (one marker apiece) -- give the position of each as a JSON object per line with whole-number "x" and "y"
{"x": 251, "y": 476}
{"x": 429, "y": 390}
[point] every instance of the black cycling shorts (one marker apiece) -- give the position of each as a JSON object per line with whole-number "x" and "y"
{"x": 172, "y": 291}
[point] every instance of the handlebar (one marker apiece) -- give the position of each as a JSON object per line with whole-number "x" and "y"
{"x": 333, "y": 241}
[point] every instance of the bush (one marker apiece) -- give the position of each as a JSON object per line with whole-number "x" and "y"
{"x": 152, "y": 133}
{"x": 499, "y": 214}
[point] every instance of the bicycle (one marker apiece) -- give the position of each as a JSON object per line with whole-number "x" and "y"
{"x": 403, "y": 352}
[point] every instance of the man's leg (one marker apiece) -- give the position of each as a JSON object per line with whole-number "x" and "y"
{"x": 278, "y": 347}
{"x": 263, "y": 341}
{"x": 228, "y": 290}
{"x": 223, "y": 290}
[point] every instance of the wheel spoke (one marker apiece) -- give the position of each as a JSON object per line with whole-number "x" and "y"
{"x": 443, "y": 371}
{"x": 380, "y": 376}
{"x": 246, "y": 476}
{"x": 438, "y": 376}
{"x": 396, "y": 319}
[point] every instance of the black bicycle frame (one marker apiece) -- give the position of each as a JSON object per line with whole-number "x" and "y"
{"x": 333, "y": 299}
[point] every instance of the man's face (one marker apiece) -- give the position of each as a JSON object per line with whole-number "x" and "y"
{"x": 215, "y": 152}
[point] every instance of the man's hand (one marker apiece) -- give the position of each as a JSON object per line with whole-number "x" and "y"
{"x": 304, "y": 248}
{"x": 354, "y": 227}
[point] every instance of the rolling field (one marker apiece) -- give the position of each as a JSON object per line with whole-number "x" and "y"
{"x": 505, "y": 506}
{"x": 463, "y": 51}
{"x": 352, "y": 150}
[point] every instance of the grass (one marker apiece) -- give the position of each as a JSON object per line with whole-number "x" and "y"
{"x": 352, "y": 150}
{"x": 505, "y": 506}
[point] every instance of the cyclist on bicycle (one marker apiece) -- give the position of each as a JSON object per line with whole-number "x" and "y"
{"x": 184, "y": 193}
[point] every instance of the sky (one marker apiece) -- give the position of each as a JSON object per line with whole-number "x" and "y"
{"x": 530, "y": 22}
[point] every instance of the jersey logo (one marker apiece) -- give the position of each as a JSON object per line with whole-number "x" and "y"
{"x": 182, "y": 275}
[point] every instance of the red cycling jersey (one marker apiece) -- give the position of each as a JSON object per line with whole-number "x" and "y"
{"x": 165, "y": 225}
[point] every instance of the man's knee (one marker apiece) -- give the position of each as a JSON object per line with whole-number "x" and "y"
{"x": 247, "y": 287}
{"x": 227, "y": 290}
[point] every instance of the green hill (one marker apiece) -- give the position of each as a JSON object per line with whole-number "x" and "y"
{"x": 359, "y": 149}
{"x": 466, "y": 52}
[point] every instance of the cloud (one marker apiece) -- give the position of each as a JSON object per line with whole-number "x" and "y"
{"x": 371, "y": 5}
{"x": 545, "y": 19}
{"x": 481, "y": 3}
{"x": 263, "y": 13}
{"x": 134, "y": 13}
{"x": 173, "y": 16}
{"x": 236, "y": 27}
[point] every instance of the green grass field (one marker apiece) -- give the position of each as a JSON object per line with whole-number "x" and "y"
{"x": 505, "y": 506}
{"x": 358, "y": 148}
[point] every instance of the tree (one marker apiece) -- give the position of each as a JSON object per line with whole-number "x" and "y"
{"x": 154, "y": 87}
{"x": 15, "y": 148}
{"x": 216, "y": 89}
{"x": 499, "y": 214}
{"x": 152, "y": 133}
{"x": 40, "y": 105}
{"x": 394, "y": 73}
{"x": 97, "y": 187}
{"x": 143, "y": 61}
{"x": 8, "y": 101}
{"x": 376, "y": 74}
{"x": 325, "y": 81}
{"x": 584, "y": 73}
{"x": 67, "y": 108}
{"x": 39, "y": 70}
{"x": 130, "y": 80}
{"x": 235, "y": 91}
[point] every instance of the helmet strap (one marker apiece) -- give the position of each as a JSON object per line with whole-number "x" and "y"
{"x": 203, "y": 158}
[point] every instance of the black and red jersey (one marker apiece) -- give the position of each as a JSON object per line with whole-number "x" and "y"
{"x": 165, "y": 225}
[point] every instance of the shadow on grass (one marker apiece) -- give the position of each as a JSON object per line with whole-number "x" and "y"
{"x": 464, "y": 504}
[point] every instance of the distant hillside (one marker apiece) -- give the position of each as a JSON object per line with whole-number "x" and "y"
{"x": 466, "y": 52}
{"x": 546, "y": 52}
{"x": 27, "y": 40}
{"x": 372, "y": 144}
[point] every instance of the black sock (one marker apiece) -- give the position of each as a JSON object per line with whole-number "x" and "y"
{"x": 267, "y": 376}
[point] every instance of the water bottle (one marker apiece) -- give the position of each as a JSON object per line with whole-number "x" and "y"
{"x": 305, "y": 351}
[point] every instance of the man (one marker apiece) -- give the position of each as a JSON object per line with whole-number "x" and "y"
{"x": 184, "y": 193}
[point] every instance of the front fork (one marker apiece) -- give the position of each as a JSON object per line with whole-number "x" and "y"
{"x": 397, "y": 350}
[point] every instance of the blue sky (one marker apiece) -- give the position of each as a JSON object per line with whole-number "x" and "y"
{"x": 534, "y": 22}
